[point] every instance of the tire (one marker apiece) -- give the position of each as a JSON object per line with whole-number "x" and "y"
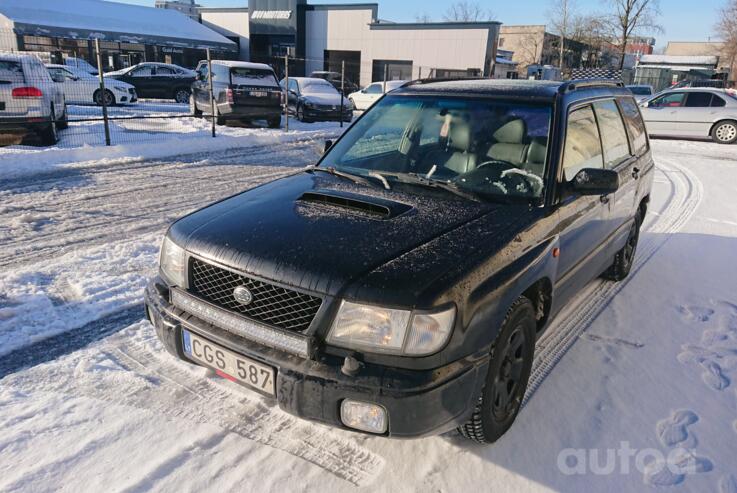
{"x": 301, "y": 114}
{"x": 725, "y": 132}
{"x": 274, "y": 122}
{"x": 219, "y": 119}
{"x": 624, "y": 259}
{"x": 63, "y": 122}
{"x": 109, "y": 98}
{"x": 509, "y": 368}
{"x": 194, "y": 111}
{"x": 181, "y": 95}
{"x": 355, "y": 108}
{"x": 49, "y": 135}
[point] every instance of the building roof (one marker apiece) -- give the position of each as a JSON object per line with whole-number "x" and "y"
{"x": 110, "y": 21}
{"x": 679, "y": 60}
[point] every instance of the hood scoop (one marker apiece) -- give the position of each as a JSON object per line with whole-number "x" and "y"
{"x": 363, "y": 204}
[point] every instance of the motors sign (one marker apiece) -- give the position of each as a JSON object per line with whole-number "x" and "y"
{"x": 271, "y": 14}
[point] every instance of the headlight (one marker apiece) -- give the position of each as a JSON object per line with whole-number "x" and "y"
{"x": 172, "y": 262}
{"x": 384, "y": 330}
{"x": 309, "y": 104}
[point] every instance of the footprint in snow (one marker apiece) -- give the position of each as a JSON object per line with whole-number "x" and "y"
{"x": 674, "y": 469}
{"x": 673, "y": 430}
{"x": 697, "y": 313}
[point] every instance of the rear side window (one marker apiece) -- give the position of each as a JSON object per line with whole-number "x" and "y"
{"x": 11, "y": 72}
{"x": 583, "y": 143}
{"x": 635, "y": 125}
{"x": 698, "y": 100}
{"x": 717, "y": 102}
{"x": 165, "y": 71}
{"x": 613, "y": 134}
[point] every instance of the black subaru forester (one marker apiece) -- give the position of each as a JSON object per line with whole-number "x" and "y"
{"x": 398, "y": 287}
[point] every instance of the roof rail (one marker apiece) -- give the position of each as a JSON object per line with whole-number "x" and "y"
{"x": 576, "y": 84}
{"x": 444, "y": 79}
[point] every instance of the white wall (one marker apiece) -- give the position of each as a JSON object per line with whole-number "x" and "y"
{"x": 427, "y": 48}
{"x": 230, "y": 24}
{"x": 8, "y": 39}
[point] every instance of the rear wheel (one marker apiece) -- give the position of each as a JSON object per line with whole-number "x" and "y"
{"x": 193, "y": 107}
{"x": 274, "y": 122}
{"x": 181, "y": 95}
{"x": 725, "y": 132}
{"x": 107, "y": 97}
{"x": 509, "y": 370}
{"x": 625, "y": 258}
{"x": 49, "y": 135}
{"x": 63, "y": 122}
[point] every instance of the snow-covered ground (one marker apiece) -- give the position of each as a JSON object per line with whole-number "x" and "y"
{"x": 632, "y": 375}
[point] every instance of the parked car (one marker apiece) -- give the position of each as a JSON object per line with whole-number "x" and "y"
{"x": 367, "y": 96}
{"x": 714, "y": 83}
{"x": 398, "y": 287}
{"x": 335, "y": 78}
{"x": 81, "y": 87}
{"x": 313, "y": 100}
{"x": 642, "y": 92}
{"x": 243, "y": 91}
{"x": 80, "y": 64}
{"x": 693, "y": 112}
{"x": 157, "y": 80}
{"x": 30, "y": 99}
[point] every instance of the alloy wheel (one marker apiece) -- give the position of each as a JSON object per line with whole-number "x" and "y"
{"x": 726, "y": 132}
{"x": 506, "y": 394}
{"x": 631, "y": 247}
{"x": 181, "y": 96}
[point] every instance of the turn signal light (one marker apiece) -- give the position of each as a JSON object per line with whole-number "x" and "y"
{"x": 230, "y": 96}
{"x": 27, "y": 92}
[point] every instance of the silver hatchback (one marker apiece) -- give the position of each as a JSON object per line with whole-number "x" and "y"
{"x": 696, "y": 112}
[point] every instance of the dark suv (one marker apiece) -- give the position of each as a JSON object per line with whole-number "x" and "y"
{"x": 398, "y": 287}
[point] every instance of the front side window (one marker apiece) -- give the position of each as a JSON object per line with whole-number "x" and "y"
{"x": 583, "y": 143}
{"x": 672, "y": 100}
{"x": 698, "y": 100}
{"x": 165, "y": 71}
{"x": 492, "y": 149}
{"x": 635, "y": 125}
{"x": 613, "y": 133}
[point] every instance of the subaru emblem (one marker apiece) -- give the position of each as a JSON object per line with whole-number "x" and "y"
{"x": 243, "y": 295}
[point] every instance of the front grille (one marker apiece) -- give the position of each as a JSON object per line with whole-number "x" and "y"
{"x": 271, "y": 304}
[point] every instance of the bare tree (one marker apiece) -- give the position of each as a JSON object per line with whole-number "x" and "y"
{"x": 561, "y": 16}
{"x": 590, "y": 31}
{"x": 423, "y": 18}
{"x": 727, "y": 30}
{"x": 468, "y": 12}
{"x": 629, "y": 18}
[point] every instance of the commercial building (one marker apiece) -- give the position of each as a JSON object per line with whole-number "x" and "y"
{"x": 324, "y": 37}
{"x": 128, "y": 34}
{"x": 186, "y": 7}
{"x": 534, "y": 46}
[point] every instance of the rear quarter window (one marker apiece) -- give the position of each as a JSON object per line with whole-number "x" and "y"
{"x": 11, "y": 71}
{"x": 635, "y": 125}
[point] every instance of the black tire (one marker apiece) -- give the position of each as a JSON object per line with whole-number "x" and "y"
{"x": 625, "y": 258}
{"x": 301, "y": 114}
{"x": 181, "y": 95}
{"x": 219, "y": 119}
{"x": 274, "y": 122}
{"x": 509, "y": 368}
{"x": 109, "y": 98}
{"x": 63, "y": 122}
{"x": 49, "y": 135}
{"x": 193, "y": 107}
{"x": 724, "y": 132}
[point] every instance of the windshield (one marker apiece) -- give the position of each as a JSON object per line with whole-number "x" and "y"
{"x": 485, "y": 147}
{"x": 315, "y": 87}
{"x": 253, "y": 77}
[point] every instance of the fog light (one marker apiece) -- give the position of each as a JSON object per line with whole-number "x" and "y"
{"x": 363, "y": 416}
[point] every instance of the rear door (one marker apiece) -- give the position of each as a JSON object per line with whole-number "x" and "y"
{"x": 698, "y": 113}
{"x": 661, "y": 113}
{"x": 163, "y": 81}
{"x": 583, "y": 219}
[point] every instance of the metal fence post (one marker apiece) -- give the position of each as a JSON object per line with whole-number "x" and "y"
{"x": 342, "y": 91}
{"x": 212, "y": 94}
{"x": 102, "y": 92}
{"x": 286, "y": 92}
{"x": 419, "y": 74}
{"x": 386, "y": 75}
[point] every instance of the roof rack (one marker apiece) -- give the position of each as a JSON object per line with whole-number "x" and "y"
{"x": 444, "y": 79}
{"x": 576, "y": 84}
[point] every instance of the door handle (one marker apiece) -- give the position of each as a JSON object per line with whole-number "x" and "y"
{"x": 604, "y": 199}
{"x": 636, "y": 173}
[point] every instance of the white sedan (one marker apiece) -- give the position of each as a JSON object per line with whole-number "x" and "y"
{"x": 81, "y": 87}
{"x": 363, "y": 99}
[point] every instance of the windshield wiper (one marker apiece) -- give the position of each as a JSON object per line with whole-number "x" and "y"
{"x": 423, "y": 180}
{"x": 357, "y": 179}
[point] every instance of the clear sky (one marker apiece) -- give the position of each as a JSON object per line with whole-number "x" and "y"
{"x": 683, "y": 20}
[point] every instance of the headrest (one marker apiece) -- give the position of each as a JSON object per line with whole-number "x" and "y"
{"x": 460, "y": 137}
{"x": 538, "y": 151}
{"x": 512, "y": 132}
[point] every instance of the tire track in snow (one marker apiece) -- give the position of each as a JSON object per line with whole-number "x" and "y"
{"x": 565, "y": 331}
{"x": 131, "y": 368}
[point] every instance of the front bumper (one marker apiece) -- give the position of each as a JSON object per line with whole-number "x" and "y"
{"x": 418, "y": 403}
{"x": 320, "y": 114}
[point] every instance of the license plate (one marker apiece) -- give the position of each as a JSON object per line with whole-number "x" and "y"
{"x": 230, "y": 365}
{"x": 259, "y": 94}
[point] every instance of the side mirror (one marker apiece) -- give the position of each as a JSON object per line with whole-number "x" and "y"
{"x": 328, "y": 145}
{"x": 645, "y": 104}
{"x": 595, "y": 181}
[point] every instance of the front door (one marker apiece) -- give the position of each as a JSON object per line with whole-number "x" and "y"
{"x": 661, "y": 113}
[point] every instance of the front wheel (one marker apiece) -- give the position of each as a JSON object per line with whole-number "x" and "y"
{"x": 725, "y": 132}
{"x": 509, "y": 370}
{"x": 181, "y": 95}
{"x": 106, "y": 97}
{"x": 301, "y": 114}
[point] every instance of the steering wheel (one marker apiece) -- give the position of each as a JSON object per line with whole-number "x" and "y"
{"x": 521, "y": 176}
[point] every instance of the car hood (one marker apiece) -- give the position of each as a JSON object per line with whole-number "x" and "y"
{"x": 290, "y": 231}
{"x": 323, "y": 99}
